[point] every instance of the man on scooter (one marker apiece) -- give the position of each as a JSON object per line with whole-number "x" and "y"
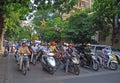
{"x": 34, "y": 51}
{"x": 23, "y": 50}
{"x": 87, "y": 52}
{"x": 45, "y": 52}
{"x": 69, "y": 52}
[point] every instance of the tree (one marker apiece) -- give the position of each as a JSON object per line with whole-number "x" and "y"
{"x": 12, "y": 11}
{"x": 49, "y": 32}
{"x": 4, "y": 13}
{"x": 50, "y": 11}
{"x": 80, "y": 28}
{"x": 105, "y": 12}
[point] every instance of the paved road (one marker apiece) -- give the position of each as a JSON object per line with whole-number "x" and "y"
{"x": 37, "y": 75}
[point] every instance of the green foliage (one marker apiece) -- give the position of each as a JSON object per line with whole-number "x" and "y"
{"x": 104, "y": 14}
{"x": 80, "y": 27}
{"x": 13, "y": 13}
{"x": 50, "y": 32}
{"x": 60, "y": 5}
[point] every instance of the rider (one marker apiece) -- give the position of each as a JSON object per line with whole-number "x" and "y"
{"x": 23, "y": 50}
{"x": 45, "y": 52}
{"x": 55, "y": 50}
{"x": 18, "y": 46}
{"x": 104, "y": 55}
{"x": 69, "y": 52}
{"x": 7, "y": 46}
{"x": 34, "y": 50}
{"x": 87, "y": 52}
{"x": 53, "y": 47}
{"x": 16, "y": 50}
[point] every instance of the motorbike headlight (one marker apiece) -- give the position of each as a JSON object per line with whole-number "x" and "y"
{"x": 109, "y": 53}
{"x": 92, "y": 53}
{"x": 75, "y": 60}
{"x": 25, "y": 54}
{"x": 50, "y": 54}
{"x": 93, "y": 57}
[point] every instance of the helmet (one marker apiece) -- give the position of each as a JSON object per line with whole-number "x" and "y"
{"x": 23, "y": 42}
{"x": 53, "y": 43}
{"x": 65, "y": 44}
{"x": 88, "y": 44}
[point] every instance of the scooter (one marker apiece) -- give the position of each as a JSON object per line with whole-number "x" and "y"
{"x": 89, "y": 60}
{"x": 16, "y": 55}
{"x": 48, "y": 62}
{"x": 110, "y": 62}
{"x": 74, "y": 65}
{"x": 6, "y": 52}
{"x": 34, "y": 58}
{"x": 24, "y": 64}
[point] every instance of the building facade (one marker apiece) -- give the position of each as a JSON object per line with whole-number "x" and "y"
{"x": 113, "y": 39}
{"x": 82, "y": 4}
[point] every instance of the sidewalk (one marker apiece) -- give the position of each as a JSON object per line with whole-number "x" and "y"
{"x": 3, "y": 69}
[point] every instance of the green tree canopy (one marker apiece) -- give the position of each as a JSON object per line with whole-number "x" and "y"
{"x": 80, "y": 28}
{"x": 104, "y": 14}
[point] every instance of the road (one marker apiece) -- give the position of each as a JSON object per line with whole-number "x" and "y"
{"x": 38, "y": 75}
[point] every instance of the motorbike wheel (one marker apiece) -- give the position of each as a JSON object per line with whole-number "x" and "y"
{"x": 5, "y": 54}
{"x": 113, "y": 66}
{"x": 58, "y": 63}
{"x": 34, "y": 61}
{"x": 82, "y": 64}
{"x": 51, "y": 71}
{"x": 95, "y": 66}
{"x": 24, "y": 68}
{"x": 76, "y": 70}
{"x": 16, "y": 57}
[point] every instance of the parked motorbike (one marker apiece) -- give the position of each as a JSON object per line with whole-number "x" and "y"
{"x": 110, "y": 62}
{"x": 48, "y": 62}
{"x": 74, "y": 65}
{"x": 89, "y": 60}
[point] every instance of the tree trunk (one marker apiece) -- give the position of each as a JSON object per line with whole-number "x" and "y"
{"x": 1, "y": 29}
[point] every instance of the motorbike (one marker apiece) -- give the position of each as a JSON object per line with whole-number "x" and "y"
{"x": 89, "y": 60}
{"x": 109, "y": 63}
{"x": 74, "y": 65}
{"x": 6, "y": 52}
{"x": 34, "y": 58}
{"x": 16, "y": 55}
{"x": 24, "y": 64}
{"x": 48, "y": 62}
{"x": 39, "y": 54}
{"x": 58, "y": 59}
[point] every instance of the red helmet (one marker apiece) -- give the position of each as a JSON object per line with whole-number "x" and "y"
{"x": 53, "y": 43}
